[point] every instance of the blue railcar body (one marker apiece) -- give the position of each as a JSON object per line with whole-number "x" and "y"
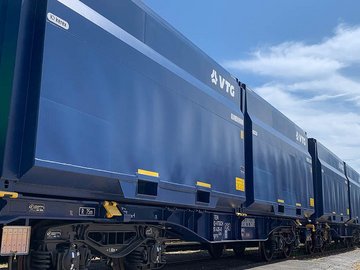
{"x": 330, "y": 185}
{"x": 278, "y": 167}
{"x": 354, "y": 193}
{"x": 111, "y": 100}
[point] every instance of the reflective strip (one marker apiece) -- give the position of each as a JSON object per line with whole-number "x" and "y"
{"x": 312, "y": 202}
{"x": 202, "y": 184}
{"x": 148, "y": 173}
{"x": 280, "y": 201}
{"x": 240, "y": 184}
{"x": 298, "y": 204}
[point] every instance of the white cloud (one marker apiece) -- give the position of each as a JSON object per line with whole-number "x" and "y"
{"x": 310, "y": 84}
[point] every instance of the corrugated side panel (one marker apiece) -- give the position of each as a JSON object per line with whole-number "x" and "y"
{"x": 115, "y": 108}
{"x": 334, "y": 186}
{"x": 354, "y": 192}
{"x": 281, "y": 165}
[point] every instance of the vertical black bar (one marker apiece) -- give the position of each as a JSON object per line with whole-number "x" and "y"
{"x": 317, "y": 178}
{"x": 348, "y": 191}
{"x": 248, "y": 140}
{"x": 20, "y": 72}
{"x": 33, "y": 86}
{"x": 10, "y": 11}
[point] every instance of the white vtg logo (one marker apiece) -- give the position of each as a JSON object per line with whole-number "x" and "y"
{"x": 300, "y": 138}
{"x": 223, "y": 83}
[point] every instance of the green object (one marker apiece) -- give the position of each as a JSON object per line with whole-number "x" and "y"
{"x": 9, "y": 26}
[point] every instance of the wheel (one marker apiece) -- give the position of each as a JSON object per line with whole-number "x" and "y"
{"x": 239, "y": 251}
{"x": 287, "y": 251}
{"x": 118, "y": 264}
{"x": 351, "y": 242}
{"x": 309, "y": 247}
{"x": 322, "y": 247}
{"x": 347, "y": 243}
{"x": 319, "y": 243}
{"x": 216, "y": 250}
{"x": 266, "y": 250}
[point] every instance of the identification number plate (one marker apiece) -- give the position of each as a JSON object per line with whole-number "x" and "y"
{"x": 248, "y": 223}
{"x": 87, "y": 212}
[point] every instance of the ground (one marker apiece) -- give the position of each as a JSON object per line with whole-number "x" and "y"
{"x": 336, "y": 260}
{"x": 348, "y": 260}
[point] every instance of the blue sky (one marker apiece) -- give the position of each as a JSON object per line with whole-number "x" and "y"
{"x": 301, "y": 56}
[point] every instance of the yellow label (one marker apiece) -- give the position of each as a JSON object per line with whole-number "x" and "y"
{"x": 298, "y": 204}
{"x": 242, "y": 134}
{"x": 203, "y": 184}
{"x": 348, "y": 211}
{"x": 281, "y": 201}
{"x": 312, "y": 202}
{"x": 148, "y": 173}
{"x": 240, "y": 184}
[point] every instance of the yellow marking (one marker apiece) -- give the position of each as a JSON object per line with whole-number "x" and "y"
{"x": 312, "y": 202}
{"x": 202, "y": 184}
{"x": 311, "y": 227}
{"x": 148, "y": 173}
{"x": 12, "y": 195}
{"x": 280, "y": 201}
{"x": 111, "y": 209}
{"x": 242, "y": 134}
{"x": 240, "y": 184}
{"x": 348, "y": 211}
{"x": 239, "y": 214}
{"x": 298, "y": 204}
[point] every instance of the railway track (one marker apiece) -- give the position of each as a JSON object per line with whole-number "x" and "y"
{"x": 200, "y": 259}
{"x": 195, "y": 258}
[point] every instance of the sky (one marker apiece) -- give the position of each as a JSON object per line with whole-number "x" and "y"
{"x": 303, "y": 56}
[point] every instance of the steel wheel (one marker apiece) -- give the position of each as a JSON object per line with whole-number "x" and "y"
{"x": 347, "y": 243}
{"x": 320, "y": 244}
{"x": 309, "y": 247}
{"x": 287, "y": 251}
{"x": 266, "y": 250}
{"x": 117, "y": 264}
{"x": 216, "y": 250}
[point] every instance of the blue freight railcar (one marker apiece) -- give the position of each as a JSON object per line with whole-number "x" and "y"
{"x": 121, "y": 114}
{"x": 353, "y": 178}
{"x": 330, "y": 185}
{"x": 117, "y": 133}
{"x": 97, "y": 111}
{"x": 278, "y": 164}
